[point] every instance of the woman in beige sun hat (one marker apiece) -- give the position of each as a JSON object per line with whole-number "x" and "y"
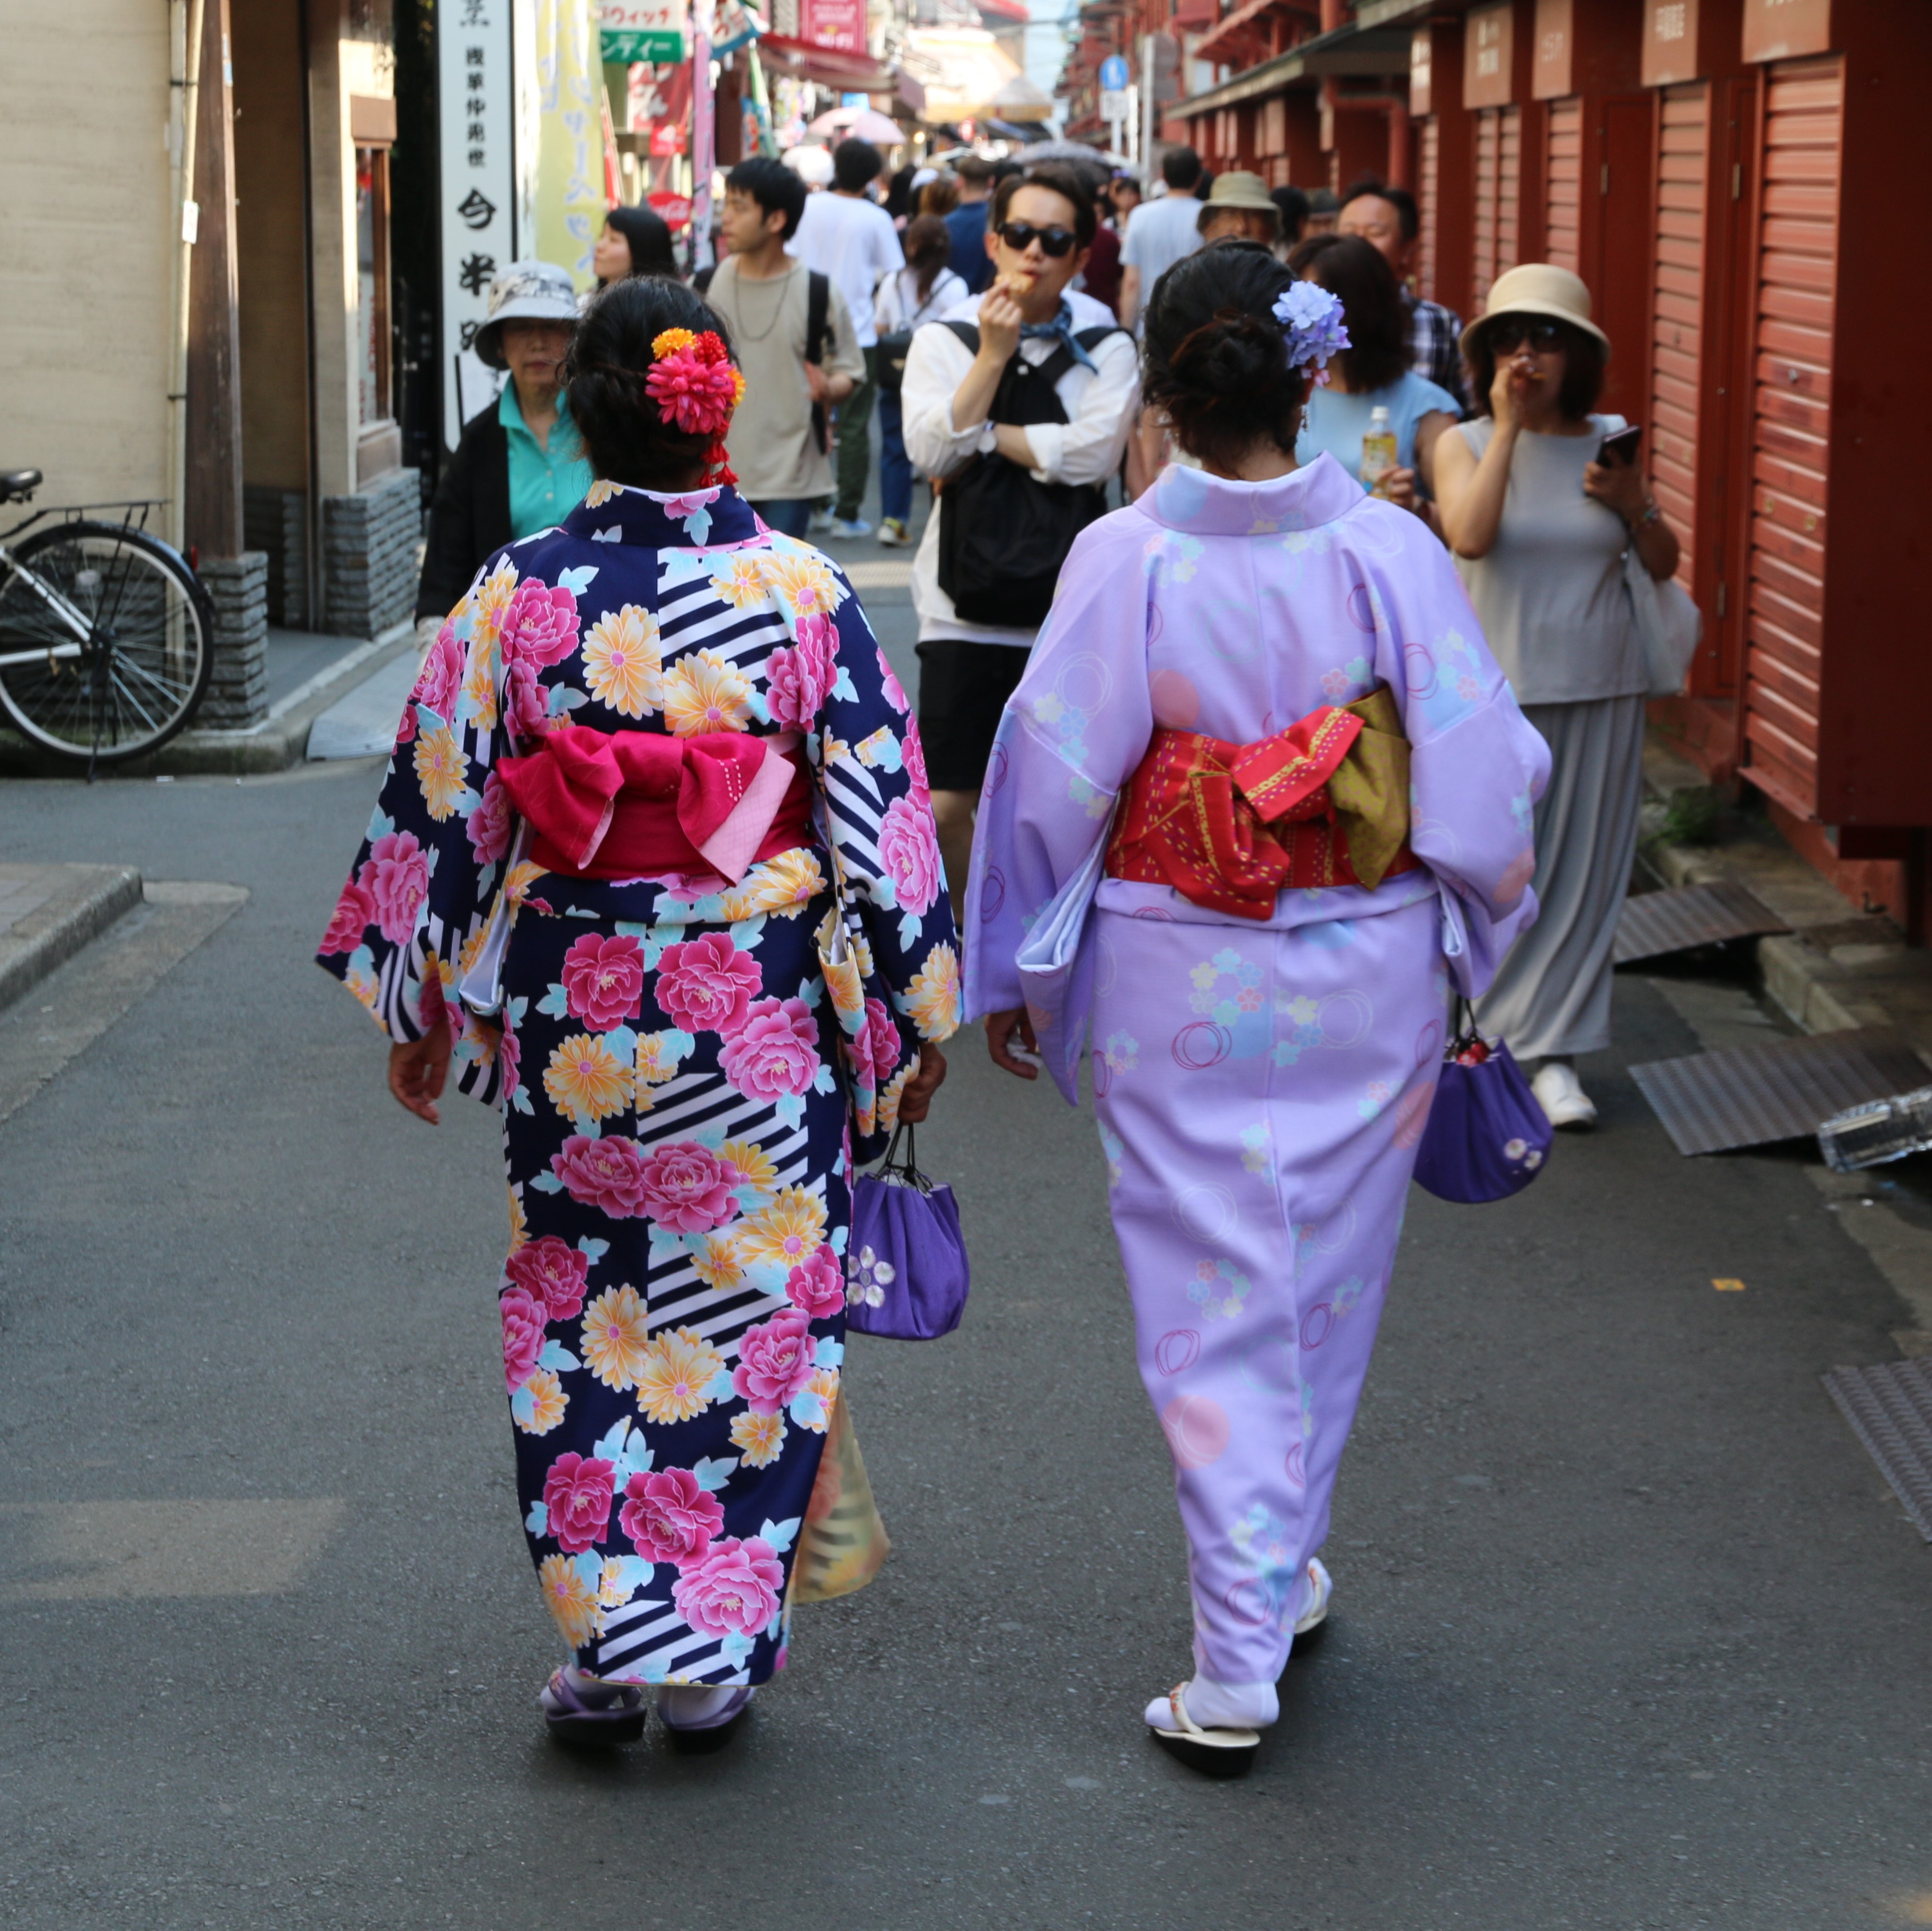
{"x": 1539, "y": 518}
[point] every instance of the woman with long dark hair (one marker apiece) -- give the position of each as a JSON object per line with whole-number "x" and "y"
{"x": 1260, "y": 790}
{"x": 620, "y": 880}
{"x": 1541, "y": 517}
{"x": 1372, "y": 373}
{"x": 635, "y": 242}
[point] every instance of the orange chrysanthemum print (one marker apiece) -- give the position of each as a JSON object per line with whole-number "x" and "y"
{"x": 570, "y": 1599}
{"x": 493, "y": 600}
{"x": 547, "y": 1402}
{"x": 677, "y": 1370}
{"x": 622, "y": 664}
{"x": 704, "y": 692}
{"x": 804, "y": 584}
{"x": 715, "y": 1261}
{"x": 740, "y": 581}
{"x": 616, "y": 1344}
{"x": 760, "y": 1438}
{"x": 932, "y": 998}
{"x": 442, "y": 771}
{"x": 586, "y": 1080}
{"x": 788, "y": 1230}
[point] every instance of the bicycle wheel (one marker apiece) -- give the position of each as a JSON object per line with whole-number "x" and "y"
{"x": 143, "y": 665}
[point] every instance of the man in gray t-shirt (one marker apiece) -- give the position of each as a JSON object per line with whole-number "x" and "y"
{"x": 1160, "y": 232}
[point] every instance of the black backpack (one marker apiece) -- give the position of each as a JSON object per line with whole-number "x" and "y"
{"x": 1002, "y": 535}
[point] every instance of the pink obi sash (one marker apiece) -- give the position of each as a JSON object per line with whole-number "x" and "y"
{"x": 639, "y": 805}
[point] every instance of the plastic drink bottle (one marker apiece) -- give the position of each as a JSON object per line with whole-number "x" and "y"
{"x": 1379, "y": 449}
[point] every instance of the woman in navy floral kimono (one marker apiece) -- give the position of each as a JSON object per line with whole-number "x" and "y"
{"x": 654, "y": 868}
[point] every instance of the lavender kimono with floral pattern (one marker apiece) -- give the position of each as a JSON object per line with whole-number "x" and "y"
{"x": 682, "y": 1092}
{"x": 1261, "y": 1084}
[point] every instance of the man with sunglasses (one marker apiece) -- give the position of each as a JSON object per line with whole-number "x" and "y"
{"x": 1026, "y": 462}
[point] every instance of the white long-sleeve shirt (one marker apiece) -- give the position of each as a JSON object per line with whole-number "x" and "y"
{"x": 1101, "y": 404}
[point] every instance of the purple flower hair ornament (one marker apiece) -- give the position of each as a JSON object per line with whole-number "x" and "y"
{"x": 1311, "y": 319}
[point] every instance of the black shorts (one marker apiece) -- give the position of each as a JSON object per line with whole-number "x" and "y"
{"x": 963, "y": 687}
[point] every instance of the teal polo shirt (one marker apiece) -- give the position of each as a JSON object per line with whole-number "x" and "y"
{"x": 545, "y": 484}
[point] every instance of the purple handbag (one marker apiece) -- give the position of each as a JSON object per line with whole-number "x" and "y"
{"x": 906, "y": 1272}
{"x": 1486, "y": 1137}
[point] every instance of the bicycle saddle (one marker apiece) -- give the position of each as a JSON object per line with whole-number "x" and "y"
{"x": 17, "y": 485}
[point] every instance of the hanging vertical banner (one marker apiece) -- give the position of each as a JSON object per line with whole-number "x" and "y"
{"x": 704, "y": 133}
{"x": 476, "y": 103}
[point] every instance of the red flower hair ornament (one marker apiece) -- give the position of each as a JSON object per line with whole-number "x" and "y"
{"x": 694, "y": 384}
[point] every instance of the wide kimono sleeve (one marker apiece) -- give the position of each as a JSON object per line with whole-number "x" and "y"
{"x": 889, "y": 948}
{"x": 1476, "y": 764}
{"x": 1072, "y": 735}
{"x": 414, "y": 913}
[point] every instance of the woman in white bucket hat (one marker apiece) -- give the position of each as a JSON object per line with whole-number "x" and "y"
{"x": 1539, "y": 516}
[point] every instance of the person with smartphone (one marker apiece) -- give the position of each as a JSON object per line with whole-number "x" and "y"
{"x": 1540, "y": 497}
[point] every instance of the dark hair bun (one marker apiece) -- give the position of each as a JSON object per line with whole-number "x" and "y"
{"x": 1215, "y": 359}
{"x": 624, "y": 433}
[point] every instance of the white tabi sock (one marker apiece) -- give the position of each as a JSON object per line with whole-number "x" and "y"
{"x": 1220, "y": 1706}
{"x": 686, "y": 1708}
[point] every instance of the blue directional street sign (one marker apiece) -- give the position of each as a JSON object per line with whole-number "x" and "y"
{"x": 1114, "y": 75}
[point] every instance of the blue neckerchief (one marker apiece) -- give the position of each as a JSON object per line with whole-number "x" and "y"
{"x": 1062, "y": 325}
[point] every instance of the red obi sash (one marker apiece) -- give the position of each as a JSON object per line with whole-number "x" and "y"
{"x": 1228, "y": 826}
{"x": 637, "y": 804}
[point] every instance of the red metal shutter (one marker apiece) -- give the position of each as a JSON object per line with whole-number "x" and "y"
{"x": 1677, "y": 310}
{"x": 1489, "y": 147}
{"x": 1509, "y": 188}
{"x": 1429, "y": 202}
{"x": 1563, "y": 179}
{"x": 1797, "y": 273}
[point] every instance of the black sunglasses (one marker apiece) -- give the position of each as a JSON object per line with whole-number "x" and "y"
{"x": 1507, "y": 336}
{"x": 1020, "y": 235}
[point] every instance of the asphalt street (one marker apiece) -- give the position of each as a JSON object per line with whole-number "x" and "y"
{"x": 1628, "y": 1632}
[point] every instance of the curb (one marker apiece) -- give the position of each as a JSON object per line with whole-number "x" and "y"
{"x": 84, "y": 901}
{"x": 278, "y": 742}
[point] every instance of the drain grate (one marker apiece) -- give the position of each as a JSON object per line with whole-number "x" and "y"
{"x": 1656, "y": 922}
{"x": 1890, "y": 1410}
{"x": 1711, "y": 1102}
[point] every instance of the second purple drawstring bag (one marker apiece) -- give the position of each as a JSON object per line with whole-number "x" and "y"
{"x": 1486, "y": 1137}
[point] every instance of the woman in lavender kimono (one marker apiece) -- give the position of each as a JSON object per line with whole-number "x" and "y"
{"x": 1260, "y": 791}
{"x": 654, "y": 868}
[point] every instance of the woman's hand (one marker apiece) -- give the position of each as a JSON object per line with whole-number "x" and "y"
{"x": 1397, "y": 486}
{"x": 915, "y": 1097}
{"x": 418, "y": 1068}
{"x": 1516, "y": 380}
{"x": 1000, "y": 1027}
{"x": 1617, "y": 486}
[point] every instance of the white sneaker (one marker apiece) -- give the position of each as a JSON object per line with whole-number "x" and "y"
{"x": 892, "y": 533}
{"x": 855, "y": 526}
{"x": 1561, "y": 1096}
{"x": 820, "y": 524}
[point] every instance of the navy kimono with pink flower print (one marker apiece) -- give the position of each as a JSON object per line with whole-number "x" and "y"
{"x": 687, "y": 1064}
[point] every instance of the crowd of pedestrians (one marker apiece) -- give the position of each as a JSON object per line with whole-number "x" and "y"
{"x": 1341, "y": 705}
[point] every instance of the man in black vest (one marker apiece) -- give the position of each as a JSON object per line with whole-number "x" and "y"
{"x": 1017, "y": 404}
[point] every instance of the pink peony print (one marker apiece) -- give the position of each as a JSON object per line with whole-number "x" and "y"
{"x": 734, "y": 1590}
{"x": 678, "y": 508}
{"x": 487, "y": 827}
{"x": 912, "y": 753}
{"x": 802, "y": 678}
{"x": 523, "y": 1336}
{"x": 510, "y": 1058}
{"x": 909, "y": 849}
{"x": 687, "y": 1187}
{"x": 604, "y": 979}
{"x": 774, "y": 1051}
{"x": 608, "y": 1173}
{"x": 895, "y": 690}
{"x": 396, "y": 877}
{"x": 354, "y": 913}
{"x": 525, "y": 702}
{"x": 668, "y": 1517}
{"x": 706, "y": 983}
{"x": 552, "y": 1274}
{"x": 540, "y": 626}
{"x": 576, "y": 1496}
{"x": 442, "y": 676}
{"x": 775, "y": 1360}
{"x": 878, "y": 1045}
{"x": 815, "y": 1286}
{"x": 432, "y": 1006}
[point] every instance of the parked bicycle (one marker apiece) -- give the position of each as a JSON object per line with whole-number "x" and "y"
{"x": 107, "y": 635}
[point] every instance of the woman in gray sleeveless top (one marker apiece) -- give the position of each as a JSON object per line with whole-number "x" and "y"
{"x": 1539, "y": 519}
